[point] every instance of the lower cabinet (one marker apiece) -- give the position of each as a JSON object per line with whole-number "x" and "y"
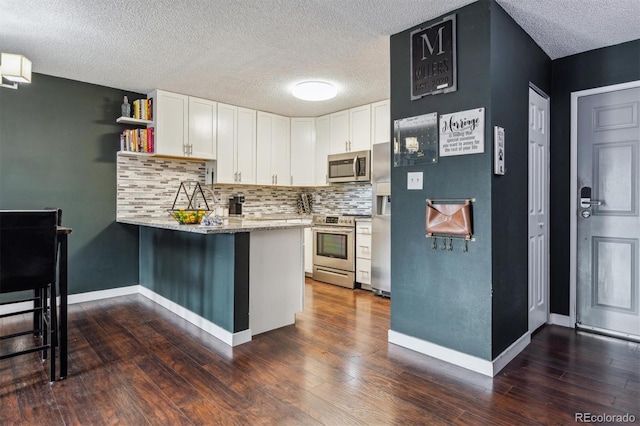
{"x": 363, "y": 254}
{"x": 308, "y": 252}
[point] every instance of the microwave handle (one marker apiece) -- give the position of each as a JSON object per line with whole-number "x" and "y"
{"x": 355, "y": 167}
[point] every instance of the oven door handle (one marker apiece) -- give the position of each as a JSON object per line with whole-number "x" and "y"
{"x": 330, "y": 230}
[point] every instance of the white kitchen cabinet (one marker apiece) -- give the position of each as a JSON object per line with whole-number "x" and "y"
{"x": 246, "y": 146}
{"x": 322, "y": 149}
{"x": 363, "y": 253}
{"x": 339, "y": 132}
{"x": 350, "y": 130}
{"x": 236, "y": 155}
{"x": 184, "y": 126}
{"x": 171, "y": 123}
{"x": 203, "y": 119}
{"x": 273, "y": 149}
{"x": 302, "y": 151}
{"x": 308, "y": 251}
{"x": 380, "y": 122}
{"x": 360, "y": 128}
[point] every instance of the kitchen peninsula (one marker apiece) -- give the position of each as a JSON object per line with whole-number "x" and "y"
{"x": 233, "y": 281}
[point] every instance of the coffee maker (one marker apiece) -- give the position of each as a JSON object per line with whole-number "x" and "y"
{"x": 235, "y": 204}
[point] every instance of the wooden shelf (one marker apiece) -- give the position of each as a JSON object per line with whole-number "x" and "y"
{"x": 130, "y": 120}
{"x": 136, "y": 154}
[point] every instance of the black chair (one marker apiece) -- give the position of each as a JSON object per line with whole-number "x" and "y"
{"x": 28, "y": 260}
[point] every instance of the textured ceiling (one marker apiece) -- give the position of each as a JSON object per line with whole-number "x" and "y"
{"x": 250, "y": 53}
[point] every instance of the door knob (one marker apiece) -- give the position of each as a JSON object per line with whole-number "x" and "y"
{"x": 585, "y": 198}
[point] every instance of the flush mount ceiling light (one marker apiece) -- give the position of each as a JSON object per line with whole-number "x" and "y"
{"x": 314, "y": 91}
{"x": 15, "y": 68}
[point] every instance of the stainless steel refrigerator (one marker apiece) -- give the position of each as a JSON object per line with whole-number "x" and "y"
{"x": 381, "y": 219}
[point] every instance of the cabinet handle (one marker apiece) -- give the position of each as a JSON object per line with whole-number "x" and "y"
{"x": 346, "y": 145}
{"x": 235, "y": 177}
{"x": 240, "y": 177}
{"x": 276, "y": 179}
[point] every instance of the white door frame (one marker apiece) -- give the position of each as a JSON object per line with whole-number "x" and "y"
{"x": 573, "y": 259}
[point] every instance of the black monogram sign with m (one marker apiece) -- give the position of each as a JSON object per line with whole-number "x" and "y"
{"x": 433, "y": 59}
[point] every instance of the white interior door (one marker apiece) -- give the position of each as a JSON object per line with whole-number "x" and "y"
{"x": 608, "y": 220}
{"x": 538, "y": 209}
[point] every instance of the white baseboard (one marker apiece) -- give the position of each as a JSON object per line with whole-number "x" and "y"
{"x": 231, "y": 339}
{"x": 90, "y": 296}
{"x": 15, "y": 307}
{"x": 470, "y": 362}
{"x": 562, "y": 320}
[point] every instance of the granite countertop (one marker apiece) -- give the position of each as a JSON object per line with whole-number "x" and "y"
{"x": 234, "y": 225}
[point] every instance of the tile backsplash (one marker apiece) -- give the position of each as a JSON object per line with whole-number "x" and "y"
{"x": 147, "y": 187}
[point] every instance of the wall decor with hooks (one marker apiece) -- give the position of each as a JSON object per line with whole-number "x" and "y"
{"x": 449, "y": 219}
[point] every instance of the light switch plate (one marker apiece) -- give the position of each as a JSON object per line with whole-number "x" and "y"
{"x": 414, "y": 180}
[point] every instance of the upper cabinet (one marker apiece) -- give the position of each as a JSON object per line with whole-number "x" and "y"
{"x": 323, "y": 148}
{"x": 236, "y": 153}
{"x": 351, "y": 130}
{"x": 273, "y": 150}
{"x": 339, "y": 131}
{"x": 380, "y": 122}
{"x": 302, "y": 151}
{"x": 203, "y": 127}
{"x": 184, "y": 126}
{"x": 360, "y": 128}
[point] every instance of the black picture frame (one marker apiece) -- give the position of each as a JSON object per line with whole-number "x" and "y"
{"x": 433, "y": 59}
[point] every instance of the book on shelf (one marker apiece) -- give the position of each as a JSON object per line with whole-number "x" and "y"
{"x": 137, "y": 140}
{"x": 143, "y": 109}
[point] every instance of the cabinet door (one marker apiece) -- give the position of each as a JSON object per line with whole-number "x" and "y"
{"x": 380, "y": 122}
{"x": 171, "y": 122}
{"x": 308, "y": 251}
{"x": 323, "y": 148}
{"x": 339, "y": 132}
{"x": 302, "y": 151}
{"x": 281, "y": 150}
{"x": 363, "y": 271}
{"x": 225, "y": 163}
{"x": 264, "y": 174}
{"x": 360, "y": 128}
{"x": 246, "y": 145}
{"x": 203, "y": 118}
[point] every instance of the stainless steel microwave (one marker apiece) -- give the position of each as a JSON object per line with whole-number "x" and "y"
{"x": 349, "y": 167}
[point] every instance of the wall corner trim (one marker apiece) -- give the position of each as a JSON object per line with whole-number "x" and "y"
{"x": 470, "y": 362}
{"x": 561, "y": 320}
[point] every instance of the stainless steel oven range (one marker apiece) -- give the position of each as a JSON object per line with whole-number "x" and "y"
{"x": 334, "y": 249}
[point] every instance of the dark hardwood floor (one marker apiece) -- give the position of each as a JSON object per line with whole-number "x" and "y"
{"x": 133, "y": 362}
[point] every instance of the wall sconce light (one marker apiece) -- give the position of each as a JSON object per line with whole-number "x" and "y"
{"x": 15, "y": 68}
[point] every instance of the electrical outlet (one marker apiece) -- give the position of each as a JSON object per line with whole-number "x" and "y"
{"x": 414, "y": 180}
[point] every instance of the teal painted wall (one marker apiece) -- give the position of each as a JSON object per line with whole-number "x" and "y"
{"x": 474, "y": 302}
{"x": 207, "y": 274}
{"x": 597, "y": 68}
{"x": 444, "y": 297}
{"x": 58, "y": 144}
{"x": 515, "y": 62}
